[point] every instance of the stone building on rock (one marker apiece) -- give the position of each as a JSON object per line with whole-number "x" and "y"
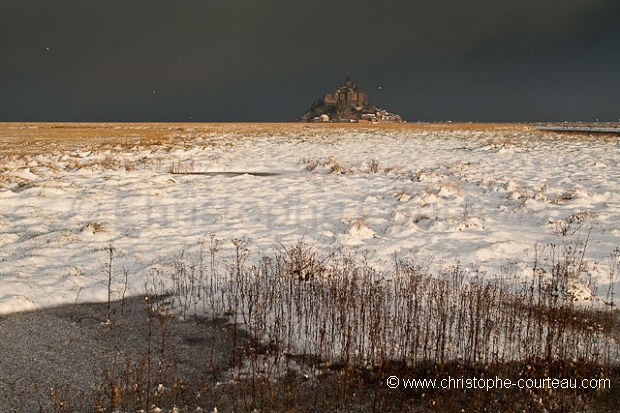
{"x": 348, "y": 103}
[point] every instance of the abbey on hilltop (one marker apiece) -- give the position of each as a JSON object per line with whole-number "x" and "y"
{"x": 348, "y": 103}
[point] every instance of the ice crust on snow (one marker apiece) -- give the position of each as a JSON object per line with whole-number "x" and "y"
{"x": 481, "y": 198}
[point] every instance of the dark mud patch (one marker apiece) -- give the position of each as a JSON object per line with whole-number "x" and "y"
{"x": 69, "y": 358}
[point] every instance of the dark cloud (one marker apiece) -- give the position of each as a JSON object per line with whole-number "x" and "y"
{"x": 267, "y": 60}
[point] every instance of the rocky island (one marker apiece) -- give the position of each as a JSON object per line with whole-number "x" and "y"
{"x": 348, "y": 103}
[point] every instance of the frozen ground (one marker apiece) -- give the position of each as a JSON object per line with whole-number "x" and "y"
{"x": 489, "y": 198}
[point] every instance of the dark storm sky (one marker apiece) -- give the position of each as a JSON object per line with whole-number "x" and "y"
{"x": 251, "y": 60}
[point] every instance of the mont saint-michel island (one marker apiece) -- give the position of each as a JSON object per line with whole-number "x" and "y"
{"x": 348, "y": 103}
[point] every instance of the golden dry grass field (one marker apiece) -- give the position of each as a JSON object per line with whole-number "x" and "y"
{"x": 18, "y": 139}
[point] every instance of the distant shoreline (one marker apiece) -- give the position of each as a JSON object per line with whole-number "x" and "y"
{"x": 582, "y": 128}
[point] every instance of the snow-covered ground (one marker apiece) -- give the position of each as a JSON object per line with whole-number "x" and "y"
{"x": 489, "y": 199}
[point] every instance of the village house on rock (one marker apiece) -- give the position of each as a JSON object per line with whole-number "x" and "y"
{"x": 348, "y": 103}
